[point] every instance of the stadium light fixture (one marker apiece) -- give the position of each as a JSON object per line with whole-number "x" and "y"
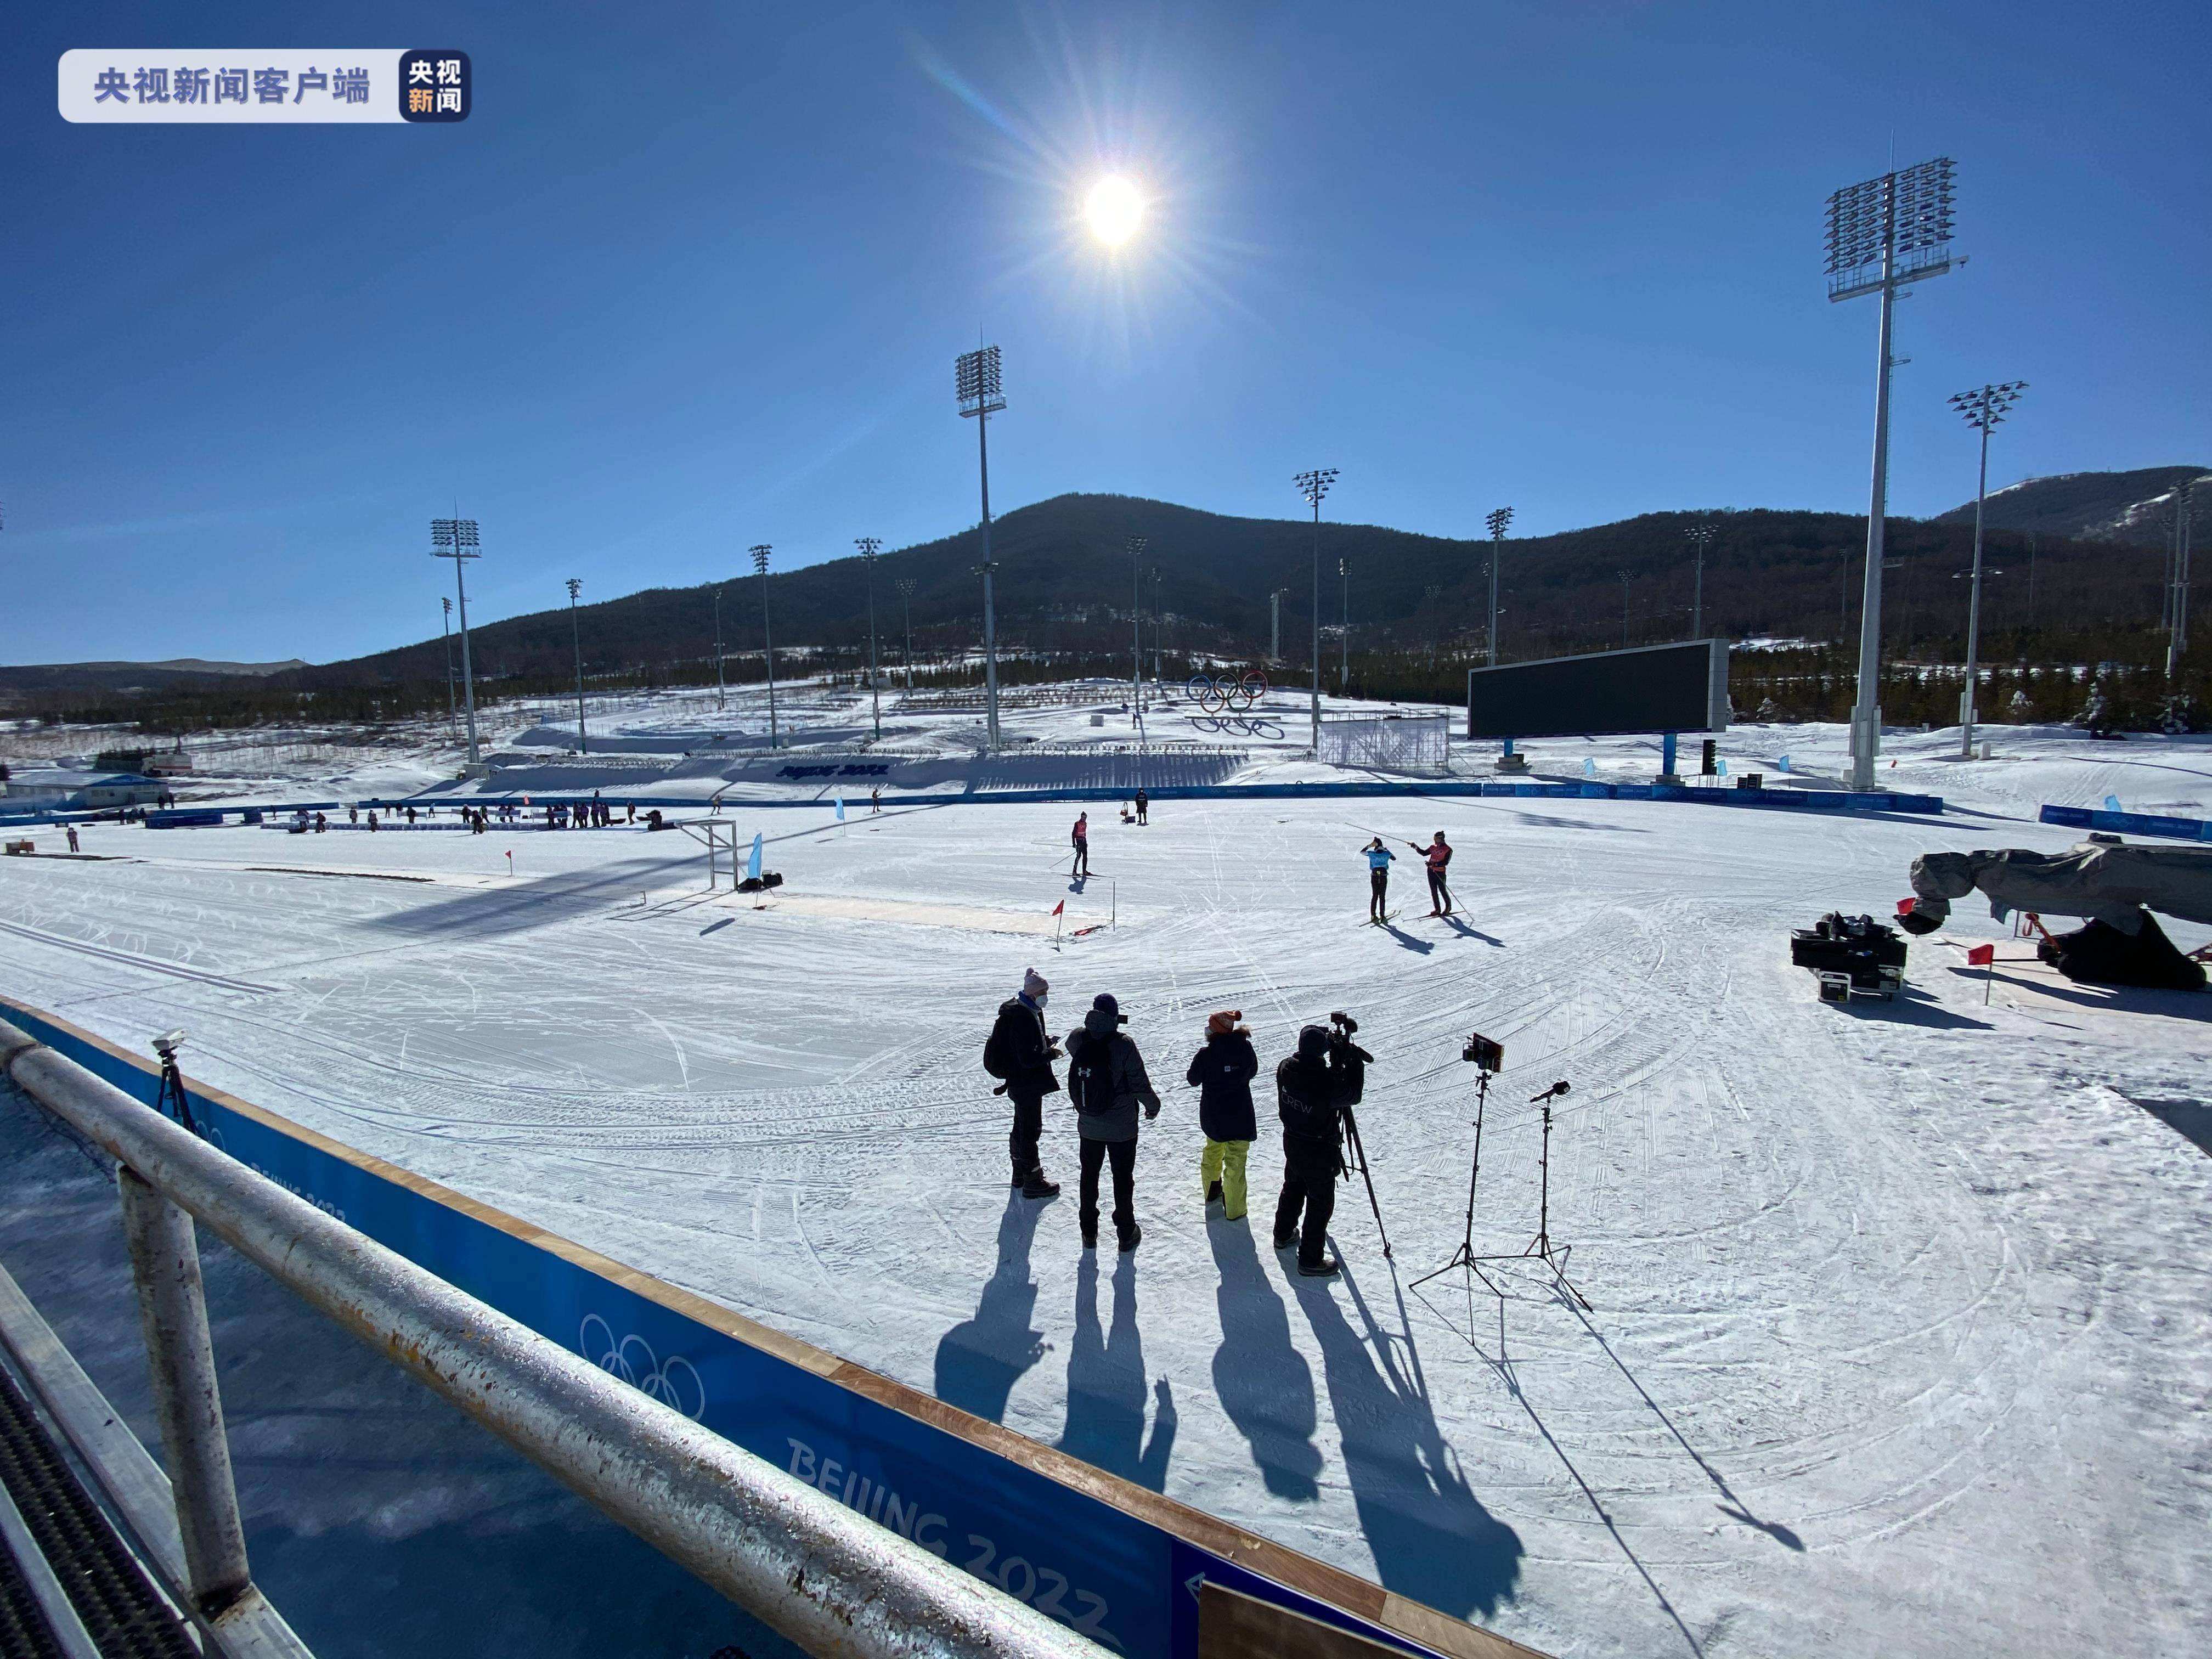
{"x": 1883, "y": 233}
{"x": 1700, "y": 537}
{"x": 868, "y": 545}
{"x": 768, "y": 642}
{"x": 456, "y": 540}
{"x": 576, "y": 638}
{"x": 1984, "y": 409}
{"x": 1314, "y": 486}
{"x": 975, "y": 382}
{"x": 1500, "y": 520}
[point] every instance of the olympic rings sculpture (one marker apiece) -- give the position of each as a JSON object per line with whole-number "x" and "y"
{"x": 1226, "y": 692}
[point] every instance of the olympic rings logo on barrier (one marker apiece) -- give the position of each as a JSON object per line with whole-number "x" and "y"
{"x": 633, "y": 1360}
{"x": 1227, "y": 693}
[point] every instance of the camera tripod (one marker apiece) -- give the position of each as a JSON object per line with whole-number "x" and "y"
{"x": 1540, "y": 1248}
{"x": 170, "y": 1099}
{"x": 1357, "y": 1161}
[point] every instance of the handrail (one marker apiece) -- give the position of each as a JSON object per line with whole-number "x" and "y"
{"x": 827, "y": 1579}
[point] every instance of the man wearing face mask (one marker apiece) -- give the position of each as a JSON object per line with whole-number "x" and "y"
{"x": 1021, "y": 1052}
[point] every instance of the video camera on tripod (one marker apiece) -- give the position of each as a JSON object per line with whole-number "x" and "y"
{"x": 1353, "y": 1157}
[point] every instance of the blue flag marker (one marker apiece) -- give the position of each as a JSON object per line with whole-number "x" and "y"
{"x": 1723, "y": 764}
{"x": 1783, "y": 764}
{"x": 841, "y": 809}
{"x": 1590, "y": 767}
{"x": 2113, "y": 804}
{"x": 752, "y": 864}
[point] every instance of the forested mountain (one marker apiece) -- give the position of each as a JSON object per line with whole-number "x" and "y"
{"x": 1065, "y": 581}
{"x": 2099, "y": 506}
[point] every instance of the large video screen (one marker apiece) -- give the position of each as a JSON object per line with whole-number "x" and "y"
{"x": 1651, "y": 687}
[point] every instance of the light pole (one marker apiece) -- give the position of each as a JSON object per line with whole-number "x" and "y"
{"x": 1985, "y": 409}
{"x": 456, "y": 540}
{"x": 1700, "y": 537}
{"x": 768, "y": 642}
{"x": 906, "y": 599}
{"x": 721, "y": 694}
{"x": 1314, "y": 486}
{"x": 2177, "y": 636}
{"x": 1498, "y": 521}
{"x": 1430, "y": 594}
{"x": 1625, "y": 579}
{"x": 1159, "y": 628}
{"x": 976, "y": 383}
{"x": 1135, "y": 547}
{"x": 576, "y": 637}
{"x": 1275, "y": 624}
{"x": 1343, "y": 625}
{"x": 1882, "y": 234}
{"x": 868, "y": 545}
{"x": 446, "y": 634}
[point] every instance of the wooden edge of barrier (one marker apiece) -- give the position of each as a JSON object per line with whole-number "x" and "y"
{"x": 1362, "y": 1597}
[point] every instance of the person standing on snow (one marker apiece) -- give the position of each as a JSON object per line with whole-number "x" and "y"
{"x": 1222, "y": 1072}
{"x": 1144, "y": 800}
{"x": 1438, "y": 854}
{"x": 1021, "y": 1052}
{"x": 1379, "y": 859}
{"x": 1106, "y": 1080}
{"x": 1311, "y": 1087}
{"x": 1081, "y": 837}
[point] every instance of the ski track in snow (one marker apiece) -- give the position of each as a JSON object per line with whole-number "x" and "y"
{"x": 1899, "y": 1339}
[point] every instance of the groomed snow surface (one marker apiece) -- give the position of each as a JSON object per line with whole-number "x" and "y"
{"x": 1899, "y": 1337}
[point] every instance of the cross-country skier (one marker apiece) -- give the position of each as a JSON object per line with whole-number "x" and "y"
{"x": 1081, "y": 837}
{"x": 1021, "y": 1052}
{"x": 1438, "y": 854}
{"x": 1311, "y": 1086}
{"x": 1222, "y": 1072}
{"x": 1379, "y": 859}
{"x": 1106, "y": 1078}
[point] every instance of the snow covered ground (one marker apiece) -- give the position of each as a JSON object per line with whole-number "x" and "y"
{"x": 1899, "y": 1337}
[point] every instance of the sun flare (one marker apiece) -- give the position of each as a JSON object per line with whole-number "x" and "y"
{"x": 1114, "y": 210}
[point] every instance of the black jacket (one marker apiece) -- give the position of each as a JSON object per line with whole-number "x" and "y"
{"x": 1222, "y": 1072}
{"x": 1308, "y": 1093}
{"x": 1029, "y": 1077}
{"x": 1099, "y": 1043}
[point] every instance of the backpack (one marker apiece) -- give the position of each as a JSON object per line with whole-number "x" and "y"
{"x": 998, "y": 1060}
{"x": 1091, "y": 1076}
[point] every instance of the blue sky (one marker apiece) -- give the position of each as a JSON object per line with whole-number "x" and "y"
{"x": 692, "y": 277}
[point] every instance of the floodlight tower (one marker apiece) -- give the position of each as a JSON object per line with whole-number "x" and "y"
{"x": 868, "y": 545}
{"x": 456, "y": 540}
{"x": 767, "y": 642}
{"x": 576, "y": 637}
{"x": 975, "y": 382}
{"x": 1498, "y": 522}
{"x": 2176, "y": 633}
{"x": 1700, "y": 537}
{"x": 1431, "y": 594}
{"x": 445, "y": 636}
{"x": 906, "y": 599}
{"x": 1314, "y": 486}
{"x": 1882, "y": 234}
{"x": 721, "y": 694}
{"x": 1984, "y": 409}
{"x": 1275, "y": 624}
{"x": 1625, "y": 578}
{"x": 1344, "y": 626}
{"x": 1135, "y": 547}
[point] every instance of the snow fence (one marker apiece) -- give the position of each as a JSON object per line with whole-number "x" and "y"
{"x": 1118, "y": 1562}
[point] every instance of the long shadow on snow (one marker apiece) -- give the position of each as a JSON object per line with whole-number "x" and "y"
{"x": 979, "y": 1360}
{"x": 1262, "y": 1379}
{"x": 1911, "y": 1008}
{"x": 1106, "y": 1384}
{"x": 1433, "y": 1539}
{"x": 2123, "y": 998}
{"x": 541, "y": 901}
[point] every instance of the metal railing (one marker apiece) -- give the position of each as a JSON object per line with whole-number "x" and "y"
{"x": 799, "y": 1560}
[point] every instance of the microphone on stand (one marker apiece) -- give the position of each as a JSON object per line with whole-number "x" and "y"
{"x": 1556, "y": 1089}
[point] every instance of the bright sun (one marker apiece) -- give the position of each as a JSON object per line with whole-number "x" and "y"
{"x": 1114, "y": 209}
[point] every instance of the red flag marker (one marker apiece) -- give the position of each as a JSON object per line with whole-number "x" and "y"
{"x": 1984, "y": 956}
{"x": 1904, "y": 906}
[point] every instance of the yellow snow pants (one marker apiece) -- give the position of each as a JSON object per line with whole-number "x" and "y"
{"x": 1223, "y": 1161}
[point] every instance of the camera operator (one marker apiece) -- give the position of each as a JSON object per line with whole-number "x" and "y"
{"x": 1312, "y": 1088}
